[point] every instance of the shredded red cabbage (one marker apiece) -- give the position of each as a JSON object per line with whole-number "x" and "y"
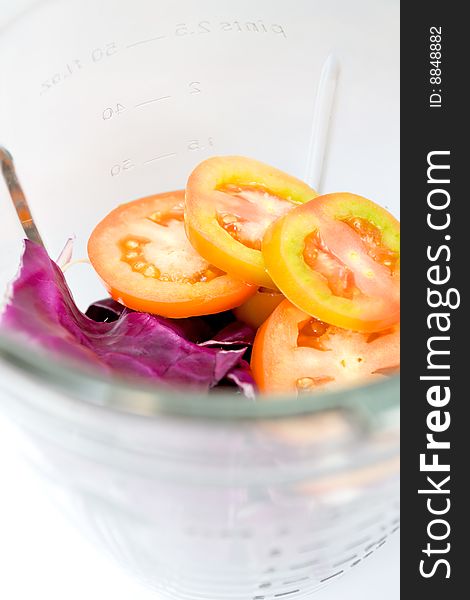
{"x": 199, "y": 352}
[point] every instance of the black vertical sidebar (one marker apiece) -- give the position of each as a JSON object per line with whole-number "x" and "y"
{"x": 435, "y": 205}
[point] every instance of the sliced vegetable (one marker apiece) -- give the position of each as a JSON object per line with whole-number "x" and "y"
{"x": 141, "y": 253}
{"x": 41, "y": 310}
{"x": 338, "y": 259}
{"x": 294, "y": 352}
{"x": 257, "y": 309}
{"x": 230, "y": 202}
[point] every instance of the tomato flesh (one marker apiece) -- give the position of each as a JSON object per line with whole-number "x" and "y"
{"x": 294, "y": 352}
{"x": 311, "y": 333}
{"x": 319, "y": 257}
{"x": 141, "y": 252}
{"x": 337, "y": 259}
{"x": 164, "y": 252}
{"x": 370, "y": 277}
{"x": 372, "y": 238}
{"x": 245, "y": 212}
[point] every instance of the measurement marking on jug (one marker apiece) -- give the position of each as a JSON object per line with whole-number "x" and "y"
{"x": 161, "y": 157}
{"x": 71, "y": 68}
{"x": 195, "y": 88}
{"x": 98, "y": 54}
{"x": 202, "y": 27}
{"x": 125, "y": 165}
{"x": 196, "y": 145}
{"x": 255, "y": 27}
{"x": 331, "y": 576}
{"x": 382, "y": 539}
{"x": 282, "y": 594}
{"x": 153, "y": 100}
{"x": 75, "y": 65}
{"x": 147, "y": 41}
{"x": 111, "y": 111}
{"x": 182, "y": 30}
{"x": 252, "y": 27}
{"x": 356, "y": 562}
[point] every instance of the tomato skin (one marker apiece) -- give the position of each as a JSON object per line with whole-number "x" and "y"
{"x": 283, "y": 250}
{"x": 257, "y": 309}
{"x": 279, "y": 364}
{"x": 174, "y": 299}
{"x": 230, "y": 297}
{"x": 204, "y": 231}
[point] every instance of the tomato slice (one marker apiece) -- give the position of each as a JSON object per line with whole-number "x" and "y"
{"x": 296, "y": 353}
{"x": 230, "y": 202}
{"x": 141, "y": 252}
{"x": 338, "y": 259}
{"x": 257, "y": 309}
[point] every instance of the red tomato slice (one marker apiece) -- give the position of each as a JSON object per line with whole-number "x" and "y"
{"x": 294, "y": 352}
{"x": 141, "y": 253}
{"x": 230, "y": 202}
{"x": 338, "y": 259}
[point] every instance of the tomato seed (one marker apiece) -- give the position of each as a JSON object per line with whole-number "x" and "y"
{"x": 312, "y": 334}
{"x": 139, "y": 266}
{"x": 371, "y": 236}
{"x": 151, "y": 271}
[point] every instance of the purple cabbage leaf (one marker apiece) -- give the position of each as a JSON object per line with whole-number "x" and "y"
{"x": 197, "y": 353}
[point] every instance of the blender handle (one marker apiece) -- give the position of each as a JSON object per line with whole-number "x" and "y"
{"x": 18, "y": 198}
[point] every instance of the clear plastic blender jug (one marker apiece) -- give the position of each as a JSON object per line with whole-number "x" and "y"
{"x": 103, "y": 102}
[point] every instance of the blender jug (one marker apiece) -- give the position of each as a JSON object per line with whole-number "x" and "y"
{"x": 103, "y": 102}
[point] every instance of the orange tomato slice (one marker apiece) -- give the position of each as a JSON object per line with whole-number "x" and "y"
{"x": 230, "y": 202}
{"x": 141, "y": 253}
{"x": 338, "y": 259}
